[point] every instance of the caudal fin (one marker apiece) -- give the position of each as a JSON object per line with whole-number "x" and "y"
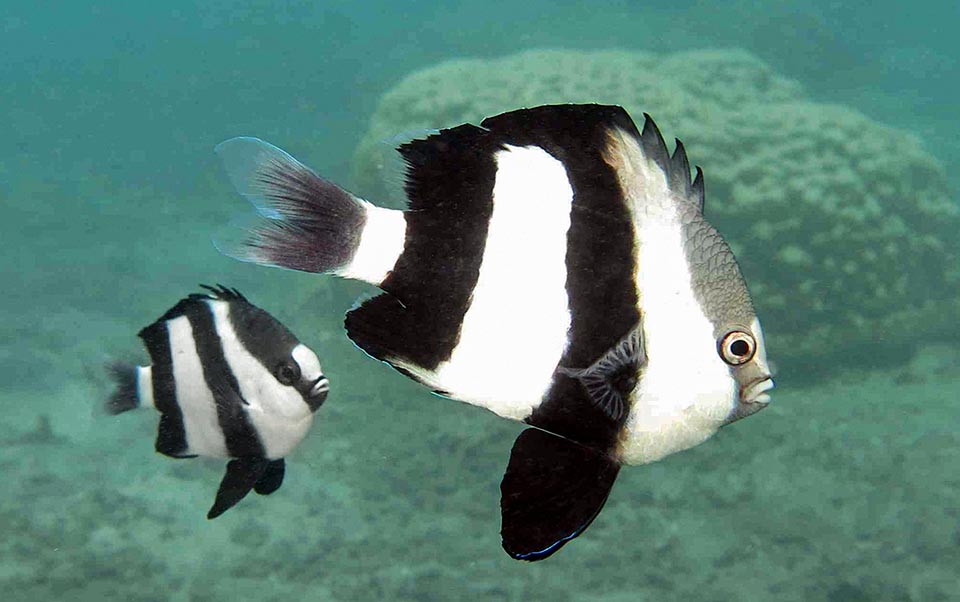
{"x": 551, "y": 492}
{"x": 125, "y": 397}
{"x": 305, "y": 222}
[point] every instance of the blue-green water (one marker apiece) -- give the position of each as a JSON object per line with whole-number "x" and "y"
{"x": 844, "y": 489}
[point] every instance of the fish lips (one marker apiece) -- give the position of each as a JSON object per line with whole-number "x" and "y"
{"x": 755, "y": 392}
{"x": 753, "y": 398}
{"x": 318, "y": 393}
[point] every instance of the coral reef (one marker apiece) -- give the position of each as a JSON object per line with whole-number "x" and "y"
{"x": 844, "y": 227}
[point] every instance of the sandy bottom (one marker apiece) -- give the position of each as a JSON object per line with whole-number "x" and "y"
{"x": 845, "y": 491}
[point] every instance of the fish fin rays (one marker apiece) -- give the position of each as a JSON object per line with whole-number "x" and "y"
{"x": 550, "y": 128}
{"x": 676, "y": 168}
{"x": 384, "y": 176}
{"x": 610, "y": 379}
{"x": 303, "y": 221}
{"x": 241, "y": 476}
{"x": 551, "y": 491}
{"x": 220, "y": 292}
{"x": 124, "y": 396}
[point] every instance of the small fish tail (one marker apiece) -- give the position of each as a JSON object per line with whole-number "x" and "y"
{"x": 305, "y": 222}
{"x": 125, "y": 397}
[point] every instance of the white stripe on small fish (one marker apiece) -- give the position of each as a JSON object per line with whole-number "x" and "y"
{"x": 200, "y": 423}
{"x": 277, "y": 412}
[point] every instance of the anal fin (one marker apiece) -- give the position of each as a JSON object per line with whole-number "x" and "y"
{"x": 241, "y": 476}
{"x": 551, "y": 492}
{"x": 272, "y": 478}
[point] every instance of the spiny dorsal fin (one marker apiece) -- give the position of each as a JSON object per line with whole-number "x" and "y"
{"x": 676, "y": 169}
{"x": 223, "y": 293}
{"x": 216, "y": 293}
{"x": 697, "y": 188}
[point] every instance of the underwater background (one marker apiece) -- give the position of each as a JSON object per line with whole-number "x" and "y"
{"x": 829, "y": 137}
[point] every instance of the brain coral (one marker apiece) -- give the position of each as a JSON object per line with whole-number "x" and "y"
{"x": 844, "y": 227}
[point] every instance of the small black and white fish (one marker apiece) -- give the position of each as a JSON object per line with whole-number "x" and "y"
{"x": 229, "y": 381}
{"x": 553, "y": 266}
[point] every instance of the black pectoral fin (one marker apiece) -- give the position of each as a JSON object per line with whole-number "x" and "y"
{"x": 272, "y": 478}
{"x": 242, "y": 475}
{"x": 551, "y": 492}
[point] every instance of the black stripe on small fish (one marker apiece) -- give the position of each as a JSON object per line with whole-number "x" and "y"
{"x": 171, "y": 436}
{"x": 239, "y": 434}
{"x": 265, "y": 338}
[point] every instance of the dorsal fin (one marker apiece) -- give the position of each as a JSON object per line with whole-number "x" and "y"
{"x": 216, "y": 293}
{"x": 697, "y": 188}
{"x": 676, "y": 168}
{"x": 223, "y": 293}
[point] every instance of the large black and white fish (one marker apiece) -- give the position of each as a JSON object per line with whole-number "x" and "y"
{"x": 229, "y": 381}
{"x": 553, "y": 266}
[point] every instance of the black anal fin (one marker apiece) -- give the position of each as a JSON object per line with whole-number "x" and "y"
{"x": 241, "y": 476}
{"x": 272, "y": 478}
{"x": 551, "y": 492}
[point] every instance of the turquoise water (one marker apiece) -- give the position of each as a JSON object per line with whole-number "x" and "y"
{"x": 844, "y": 489}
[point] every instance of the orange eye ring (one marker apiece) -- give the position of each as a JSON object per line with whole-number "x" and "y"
{"x": 737, "y": 347}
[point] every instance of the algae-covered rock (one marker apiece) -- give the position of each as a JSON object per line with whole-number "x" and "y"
{"x": 845, "y": 228}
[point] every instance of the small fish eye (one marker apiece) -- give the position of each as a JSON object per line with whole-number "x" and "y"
{"x": 737, "y": 347}
{"x": 287, "y": 372}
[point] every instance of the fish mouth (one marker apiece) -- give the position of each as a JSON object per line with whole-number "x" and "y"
{"x": 756, "y": 391}
{"x": 318, "y": 392}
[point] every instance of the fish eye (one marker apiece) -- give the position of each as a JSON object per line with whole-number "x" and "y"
{"x": 287, "y": 372}
{"x": 737, "y": 347}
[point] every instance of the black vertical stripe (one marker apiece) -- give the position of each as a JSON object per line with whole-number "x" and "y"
{"x": 600, "y": 259}
{"x": 450, "y": 179}
{"x": 171, "y": 437}
{"x": 262, "y": 335}
{"x": 239, "y": 434}
{"x": 267, "y": 340}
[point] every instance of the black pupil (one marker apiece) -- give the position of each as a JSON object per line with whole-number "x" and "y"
{"x": 739, "y": 348}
